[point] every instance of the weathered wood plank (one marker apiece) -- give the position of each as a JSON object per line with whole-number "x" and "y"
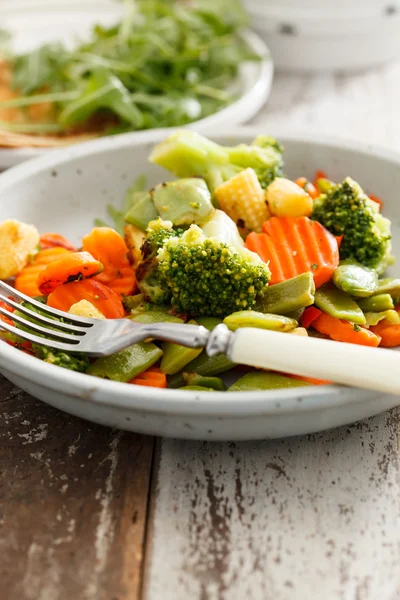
{"x": 73, "y": 503}
{"x": 309, "y": 517}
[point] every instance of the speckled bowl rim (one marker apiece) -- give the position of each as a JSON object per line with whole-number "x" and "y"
{"x": 171, "y": 401}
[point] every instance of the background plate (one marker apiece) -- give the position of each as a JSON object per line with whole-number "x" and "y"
{"x": 35, "y": 22}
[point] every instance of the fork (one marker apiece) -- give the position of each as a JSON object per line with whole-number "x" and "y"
{"x": 350, "y": 364}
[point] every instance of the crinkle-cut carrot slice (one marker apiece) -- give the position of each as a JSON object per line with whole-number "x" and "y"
{"x": 295, "y": 245}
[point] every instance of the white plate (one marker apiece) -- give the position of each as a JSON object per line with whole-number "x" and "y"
{"x": 83, "y": 179}
{"x": 34, "y": 22}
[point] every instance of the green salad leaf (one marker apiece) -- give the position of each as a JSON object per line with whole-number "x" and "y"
{"x": 166, "y": 63}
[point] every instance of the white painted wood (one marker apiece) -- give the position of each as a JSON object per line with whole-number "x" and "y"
{"x": 303, "y": 518}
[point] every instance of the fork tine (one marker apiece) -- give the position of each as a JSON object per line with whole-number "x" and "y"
{"x": 58, "y": 335}
{"x": 40, "y": 318}
{"x": 82, "y": 321}
{"x": 39, "y": 340}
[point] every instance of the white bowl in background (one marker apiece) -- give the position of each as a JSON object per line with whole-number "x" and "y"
{"x": 330, "y": 45}
{"x": 66, "y": 190}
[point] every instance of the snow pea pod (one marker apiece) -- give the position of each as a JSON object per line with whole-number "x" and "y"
{"x": 263, "y": 380}
{"x": 126, "y": 364}
{"x": 196, "y": 388}
{"x": 251, "y": 318}
{"x": 288, "y": 296}
{"x": 142, "y": 212}
{"x": 338, "y": 304}
{"x": 176, "y": 357}
{"x": 214, "y": 383}
{"x": 389, "y": 285}
{"x": 355, "y": 279}
{"x": 377, "y": 303}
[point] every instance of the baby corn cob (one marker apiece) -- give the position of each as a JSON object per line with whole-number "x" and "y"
{"x": 243, "y": 199}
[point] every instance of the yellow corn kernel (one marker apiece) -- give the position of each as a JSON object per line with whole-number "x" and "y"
{"x": 84, "y": 308}
{"x": 18, "y": 241}
{"x": 243, "y": 200}
{"x": 299, "y": 331}
{"x": 287, "y": 199}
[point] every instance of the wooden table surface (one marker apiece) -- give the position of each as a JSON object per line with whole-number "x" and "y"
{"x": 95, "y": 514}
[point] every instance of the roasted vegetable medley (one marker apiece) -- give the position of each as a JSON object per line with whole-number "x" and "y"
{"x": 230, "y": 240}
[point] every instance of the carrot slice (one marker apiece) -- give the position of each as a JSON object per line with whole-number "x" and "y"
{"x": 309, "y": 315}
{"x": 311, "y": 380}
{"x": 27, "y": 279}
{"x": 295, "y": 245}
{"x": 104, "y": 299}
{"x": 108, "y": 247}
{"x": 153, "y": 377}
{"x": 376, "y": 199}
{"x": 124, "y": 283}
{"x": 72, "y": 267}
{"x": 9, "y": 309}
{"x": 55, "y": 240}
{"x": 344, "y": 331}
{"x": 389, "y": 333}
{"x": 319, "y": 175}
{"x": 308, "y": 187}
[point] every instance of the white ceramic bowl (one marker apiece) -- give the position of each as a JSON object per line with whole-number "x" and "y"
{"x": 302, "y": 40}
{"x": 65, "y": 191}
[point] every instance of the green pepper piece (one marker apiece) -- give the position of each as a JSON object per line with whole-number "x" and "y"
{"x": 287, "y": 296}
{"x": 126, "y": 364}
{"x": 389, "y": 285}
{"x": 251, "y": 318}
{"x": 355, "y": 279}
{"x": 262, "y": 380}
{"x": 373, "y": 318}
{"x": 215, "y": 383}
{"x": 203, "y": 365}
{"x": 176, "y": 357}
{"x": 184, "y": 201}
{"x": 142, "y": 212}
{"x": 196, "y": 388}
{"x": 338, "y": 304}
{"x": 376, "y": 303}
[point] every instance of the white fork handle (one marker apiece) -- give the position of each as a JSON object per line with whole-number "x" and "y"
{"x": 360, "y": 366}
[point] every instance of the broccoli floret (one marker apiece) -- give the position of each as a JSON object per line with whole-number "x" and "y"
{"x": 189, "y": 154}
{"x": 346, "y": 210}
{"x": 208, "y": 277}
{"x": 67, "y": 360}
{"x": 158, "y": 232}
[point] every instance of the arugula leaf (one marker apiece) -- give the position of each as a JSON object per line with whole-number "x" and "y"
{"x": 103, "y": 90}
{"x": 117, "y": 216}
{"x": 167, "y": 63}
